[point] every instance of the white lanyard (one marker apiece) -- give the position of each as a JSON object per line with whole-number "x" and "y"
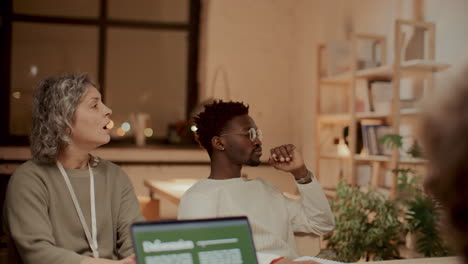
{"x": 92, "y": 239}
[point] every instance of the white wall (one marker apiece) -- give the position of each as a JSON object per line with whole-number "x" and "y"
{"x": 378, "y": 16}
{"x": 268, "y": 48}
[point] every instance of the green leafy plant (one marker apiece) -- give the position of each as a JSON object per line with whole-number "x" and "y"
{"x": 366, "y": 225}
{"x": 421, "y": 214}
{"x": 396, "y": 141}
{"x": 392, "y": 141}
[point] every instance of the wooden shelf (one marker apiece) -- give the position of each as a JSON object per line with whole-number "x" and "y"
{"x": 395, "y": 72}
{"x": 345, "y": 118}
{"x": 424, "y": 65}
{"x": 381, "y": 158}
{"x": 371, "y": 115}
{"x": 413, "y": 161}
{"x": 333, "y": 156}
{"x": 408, "y": 68}
{"x": 369, "y": 158}
{"x": 334, "y": 118}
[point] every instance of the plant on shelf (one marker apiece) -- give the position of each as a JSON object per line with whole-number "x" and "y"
{"x": 396, "y": 141}
{"x": 366, "y": 225}
{"x": 421, "y": 212}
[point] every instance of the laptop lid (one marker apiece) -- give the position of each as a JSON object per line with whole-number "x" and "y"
{"x": 200, "y": 241}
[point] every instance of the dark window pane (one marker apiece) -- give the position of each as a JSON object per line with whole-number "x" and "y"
{"x": 40, "y": 50}
{"x": 73, "y": 8}
{"x": 146, "y": 72}
{"x": 150, "y": 10}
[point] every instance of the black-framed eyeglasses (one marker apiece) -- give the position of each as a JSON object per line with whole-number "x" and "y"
{"x": 252, "y": 133}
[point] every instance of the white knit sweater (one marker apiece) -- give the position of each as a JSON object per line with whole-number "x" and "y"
{"x": 273, "y": 217}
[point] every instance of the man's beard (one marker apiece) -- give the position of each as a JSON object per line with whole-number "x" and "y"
{"x": 251, "y": 162}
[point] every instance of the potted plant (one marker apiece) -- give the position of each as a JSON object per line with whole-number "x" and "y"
{"x": 366, "y": 225}
{"x": 421, "y": 212}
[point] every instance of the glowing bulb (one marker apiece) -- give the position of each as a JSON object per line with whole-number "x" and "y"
{"x": 126, "y": 126}
{"x": 120, "y": 132}
{"x": 110, "y": 125}
{"x": 16, "y": 95}
{"x": 148, "y": 132}
{"x": 194, "y": 128}
{"x": 343, "y": 150}
{"x": 33, "y": 70}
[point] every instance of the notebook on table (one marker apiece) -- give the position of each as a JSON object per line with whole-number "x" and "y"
{"x": 201, "y": 241}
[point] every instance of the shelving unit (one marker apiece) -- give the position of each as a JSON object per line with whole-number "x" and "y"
{"x": 417, "y": 68}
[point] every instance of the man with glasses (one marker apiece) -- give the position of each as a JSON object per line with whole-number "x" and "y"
{"x": 232, "y": 140}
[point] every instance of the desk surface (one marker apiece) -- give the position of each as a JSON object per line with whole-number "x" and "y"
{"x": 444, "y": 260}
{"x": 171, "y": 190}
{"x": 123, "y": 154}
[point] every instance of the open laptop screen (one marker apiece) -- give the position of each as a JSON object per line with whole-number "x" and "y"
{"x": 201, "y": 241}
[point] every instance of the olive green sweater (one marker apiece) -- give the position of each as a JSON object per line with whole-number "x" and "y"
{"x": 42, "y": 221}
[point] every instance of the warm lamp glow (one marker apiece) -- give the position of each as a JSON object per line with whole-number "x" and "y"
{"x": 148, "y": 132}
{"x": 343, "y": 149}
{"x": 120, "y": 132}
{"x": 16, "y": 95}
{"x": 33, "y": 70}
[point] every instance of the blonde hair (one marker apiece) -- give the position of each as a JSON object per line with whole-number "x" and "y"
{"x": 54, "y": 103}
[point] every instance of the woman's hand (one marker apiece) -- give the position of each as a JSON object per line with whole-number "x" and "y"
{"x": 128, "y": 260}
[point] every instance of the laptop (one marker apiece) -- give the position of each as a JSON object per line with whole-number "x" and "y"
{"x": 200, "y": 241}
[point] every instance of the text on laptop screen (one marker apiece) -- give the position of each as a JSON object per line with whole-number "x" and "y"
{"x": 217, "y": 241}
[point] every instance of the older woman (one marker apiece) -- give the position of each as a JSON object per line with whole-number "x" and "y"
{"x": 65, "y": 205}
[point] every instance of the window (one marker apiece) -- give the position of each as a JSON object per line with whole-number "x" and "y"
{"x": 142, "y": 53}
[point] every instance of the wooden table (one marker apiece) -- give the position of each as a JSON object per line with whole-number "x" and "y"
{"x": 444, "y": 260}
{"x": 171, "y": 189}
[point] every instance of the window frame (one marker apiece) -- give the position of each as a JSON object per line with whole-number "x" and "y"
{"x": 103, "y": 23}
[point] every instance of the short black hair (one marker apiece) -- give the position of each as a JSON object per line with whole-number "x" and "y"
{"x": 214, "y": 118}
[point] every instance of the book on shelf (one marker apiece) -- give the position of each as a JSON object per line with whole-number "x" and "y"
{"x": 372, "y": 132}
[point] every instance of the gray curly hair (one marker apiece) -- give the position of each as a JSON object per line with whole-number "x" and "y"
{"x": 54, "y": 103}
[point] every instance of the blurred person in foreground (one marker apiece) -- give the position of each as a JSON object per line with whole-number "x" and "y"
{"x": 445, "y": 133}
{"x": 233, "y": 140}
{"x": 66, "y": 205}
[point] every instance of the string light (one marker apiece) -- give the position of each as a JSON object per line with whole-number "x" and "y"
{"x": 126, "y": 126}
{"x": 148, "y": 132}
{"x": 120, "y": 132}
